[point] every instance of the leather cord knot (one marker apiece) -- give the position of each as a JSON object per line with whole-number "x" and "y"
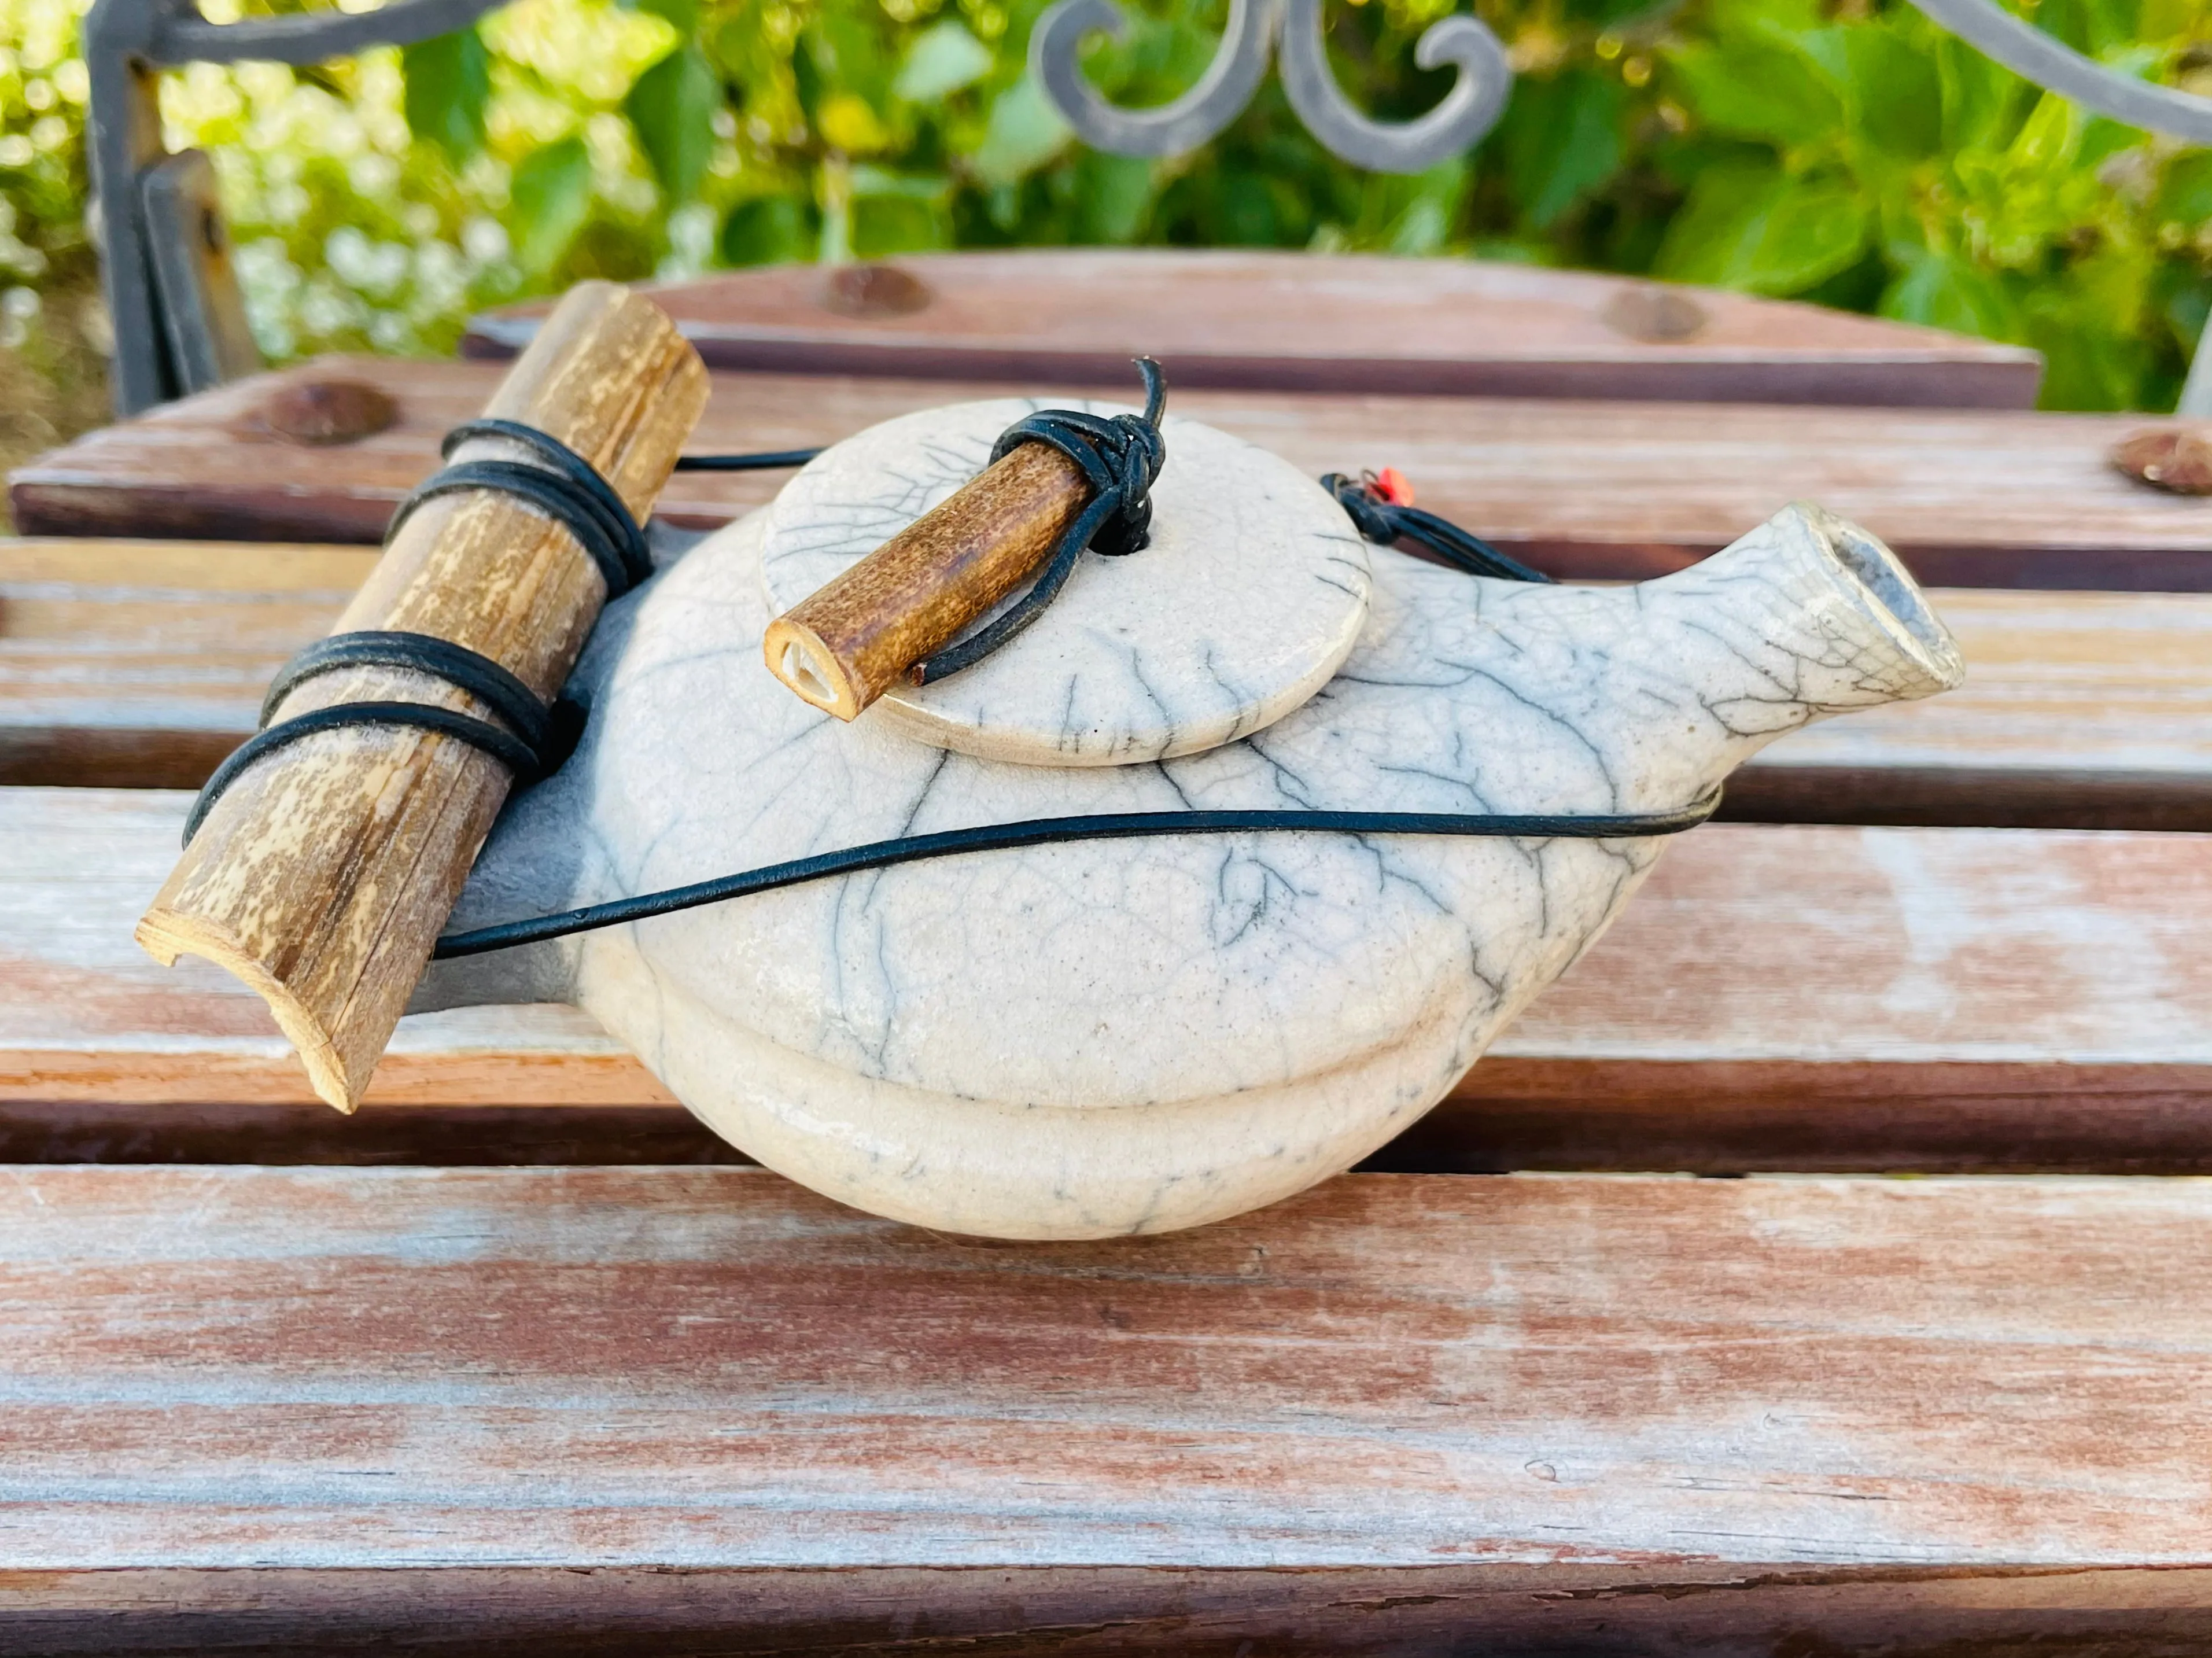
{"x": 1385, "y": 523}
{"x": 1121, "y": 456}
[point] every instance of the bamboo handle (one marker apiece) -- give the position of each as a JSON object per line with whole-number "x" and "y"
{"x": 322, "y": 876}
{"x": 850, "y": 641}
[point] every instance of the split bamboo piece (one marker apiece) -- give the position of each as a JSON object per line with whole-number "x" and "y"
{"x": 846, "y": 644}
{"x": 322, "y": 876}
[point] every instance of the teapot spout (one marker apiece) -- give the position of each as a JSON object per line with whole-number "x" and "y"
{"x": 1806, "y": 617}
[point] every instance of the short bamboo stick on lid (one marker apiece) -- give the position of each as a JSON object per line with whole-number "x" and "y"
{"x": 859, "y": 634}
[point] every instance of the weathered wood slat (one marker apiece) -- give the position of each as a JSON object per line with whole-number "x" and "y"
{"x": 140, "y": 663}
{"x": 1592, "y": 1414}
{"x": 1246, "y": 318}
{"x": 1777, "y": 998}
{"x": 1970, "y": 499}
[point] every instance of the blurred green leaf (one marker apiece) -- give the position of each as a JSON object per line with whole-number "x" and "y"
{"x": 885, "y": 224}
{"x": 943, "y": 59}
{"x": 552, "y": 196}
{"x": 768, "y": 230}
{"x": 1943, "y": 291}
{"x": 684, "y": 14}
{"x": 448, "y": 80}
{"x": 848, "y": 50}
{"x": 1114, "y": 194}
{"x": 1561, "y": 139}
{"x": 1747, "y": 90}
{"x": 1758, "y": 229}
{"x": 2184, "y": 197}
{"x": 672, "y": 108}
{"x": 1025, "y": 131}
{"x": 1893, "y": 88}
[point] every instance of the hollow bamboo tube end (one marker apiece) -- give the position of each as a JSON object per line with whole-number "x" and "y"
{"x": 164, "y": 934}
{"x": 798, "y": 657}
{"x": 860, "y": 633}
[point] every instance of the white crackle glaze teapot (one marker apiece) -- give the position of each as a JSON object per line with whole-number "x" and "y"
{"x": 1083, "y": 1039}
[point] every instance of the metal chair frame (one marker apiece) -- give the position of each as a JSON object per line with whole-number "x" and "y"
{"x": 179, "y": 322}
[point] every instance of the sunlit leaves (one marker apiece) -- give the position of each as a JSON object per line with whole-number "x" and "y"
{"x": 1757, "y": 229}
{"x": 1561, "y": 139}
{"x": 449, "y": 88}
{"x": 671, "y": 107}
{"x": 1025, "y": 132}
{"x": 943, "y": 59}
{"x": 768, "y": 230}
{"x": 552, "y": 196}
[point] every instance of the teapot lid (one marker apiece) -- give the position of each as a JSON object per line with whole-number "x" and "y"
{"x": 1248, "y": 598}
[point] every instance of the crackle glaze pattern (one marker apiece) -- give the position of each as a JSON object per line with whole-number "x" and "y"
{"x": 1082, "y": 1040}
{"x": 1249, "y": 596}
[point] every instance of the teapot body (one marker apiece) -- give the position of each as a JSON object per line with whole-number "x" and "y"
{"x": 1096, "y": 1038}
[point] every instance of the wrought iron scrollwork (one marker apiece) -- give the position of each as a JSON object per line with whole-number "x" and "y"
{"x": 1469, "y": 111}
{"x": 1485, "y": 81}
{"x": 1174, "y": 128}
{"x": 2027, "y": 51}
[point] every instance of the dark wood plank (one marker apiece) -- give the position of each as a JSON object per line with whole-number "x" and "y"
{"x": 1235, "y": 317}
{"x": 140, "y": 663}
{"x": 1776, "y": 997}
{"x": 1551, "y": 1610}
{"x": 1594, "y": 489}
{"x": 1399, "y": 1413}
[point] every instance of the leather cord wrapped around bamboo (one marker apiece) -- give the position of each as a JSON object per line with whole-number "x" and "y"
{"x": 321, "y": 876}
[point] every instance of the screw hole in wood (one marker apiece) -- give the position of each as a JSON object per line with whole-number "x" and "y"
{"x": 323, "y": 413}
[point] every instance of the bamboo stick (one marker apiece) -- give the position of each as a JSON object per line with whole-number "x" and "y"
{"x": 850, "y": 641}
{"x": 322, "y": 877}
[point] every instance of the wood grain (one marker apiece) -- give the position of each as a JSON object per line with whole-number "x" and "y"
{"x": 140, "y": 663}
{"x": 320, "y": 878}
{"x": 1776, "y": 997}
{"x": 1754, "y": 1416}
{"x": 1341, "y": 323}
{"x": 1623, "y": 1609}
{"x": 1596, "y": 490}
{"x": 850, "y": 641}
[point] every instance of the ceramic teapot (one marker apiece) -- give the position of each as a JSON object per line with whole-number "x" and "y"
{"x": 1096, "y": 1038}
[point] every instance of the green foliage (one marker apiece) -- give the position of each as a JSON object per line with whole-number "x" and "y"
{"x": 1841, "y": 151}
{"x": 448, "y": 82}
{"x": 672, "y": 109}
{"x": 552, "y": 197}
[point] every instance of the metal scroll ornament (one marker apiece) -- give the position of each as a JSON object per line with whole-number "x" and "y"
{"x": 1478, "y": 97}
{"x": 1469, "y": 110}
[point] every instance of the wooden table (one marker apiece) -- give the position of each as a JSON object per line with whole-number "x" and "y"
{"x": 1245, "y": 317}
{"x": 521, "y": 1359}
{"x": 1969, "y": 498}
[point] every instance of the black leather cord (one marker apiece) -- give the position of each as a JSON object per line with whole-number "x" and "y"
{"x": 564, "y": 486}
{"x": 767, "y": 461}
{"x": 568, "y": 488}
{"x": 1121, "y": 457}
{"x": 510, "y": 750}
{"x": 459, "y": 666}
{"x": 1041, "y": 831}
{"x": 1385, "y": 523}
